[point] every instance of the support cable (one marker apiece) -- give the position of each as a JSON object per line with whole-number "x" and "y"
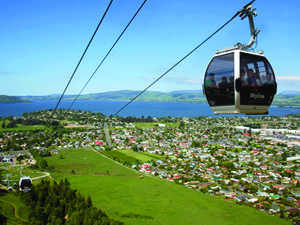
{"x": 176, "y": 64}
{"x": 107, "y": 54}
{"x": 53, "y": 112}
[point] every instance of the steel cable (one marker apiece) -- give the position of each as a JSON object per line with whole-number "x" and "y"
{"x": 176, "y": 64}
{"x": 53, "y": 112}
{"x": 107, "y": 54}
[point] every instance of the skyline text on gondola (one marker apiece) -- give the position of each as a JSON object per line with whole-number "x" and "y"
{"x": 257, "y": 96}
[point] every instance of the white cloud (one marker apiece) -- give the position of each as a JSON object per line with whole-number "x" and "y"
{"x": 180, "y": 79}
{"x": 289, "y": 78}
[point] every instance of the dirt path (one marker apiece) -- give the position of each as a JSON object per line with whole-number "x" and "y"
{"x": 14, "y": 211}
{"x": 45, "y": 175}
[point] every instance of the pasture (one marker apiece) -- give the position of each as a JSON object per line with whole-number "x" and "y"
{"x": 126, "y": 196}
{"x": 21, "y": 127}
{"x": 154, "y": 124}
{"x": 132, "y": 157}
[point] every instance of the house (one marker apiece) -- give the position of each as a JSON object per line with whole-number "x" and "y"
{"x": 6, "y": 159}
{"x": 274, "y": 209}
{"x": 297, "y": 202}
{"x": 280, "y": 187}
{"x": 99, "y": 143}
{"x": 263, "y": 194}
{"x": 230, "y": 194}
{"x": 252, "y": 200}
{"x": 296, "y": 194}
{"x": 240, "y": 198}
{"x": 290, "y": 199}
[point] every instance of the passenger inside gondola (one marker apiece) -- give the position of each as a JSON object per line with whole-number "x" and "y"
{"x": 269, "y": 79}
{"x": 257, "y": 80}
{"x": 251, "y": 78}
{"x": 212, "y": 89}
{"x": 221, "y": 93}
{"x": 244, "y": 81}
{"x": 224, "y": 86}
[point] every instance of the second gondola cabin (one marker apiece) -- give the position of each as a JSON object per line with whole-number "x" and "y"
{"x": 239, "y": 82}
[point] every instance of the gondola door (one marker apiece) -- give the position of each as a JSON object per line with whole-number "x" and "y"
{"x": 219, "y": 83}
{"x": 257, "y": 84}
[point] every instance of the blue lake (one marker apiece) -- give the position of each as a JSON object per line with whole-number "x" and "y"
{"x": 138, "y": 109}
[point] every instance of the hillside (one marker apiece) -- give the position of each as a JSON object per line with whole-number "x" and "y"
{"x": 127, "y": 196}
{"x": 284, "y": 99}
{"x": 126, "y": 95}
{"x": 10, "y": 99}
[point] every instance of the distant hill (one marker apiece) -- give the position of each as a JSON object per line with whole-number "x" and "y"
{"x": 10, "y": 99}
{"x": 285, "y": 98}
{"x": 292, "y": 92}
{"x": 127, "y": 95}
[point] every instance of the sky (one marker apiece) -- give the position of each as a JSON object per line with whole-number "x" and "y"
{"x": 41, "y": 43}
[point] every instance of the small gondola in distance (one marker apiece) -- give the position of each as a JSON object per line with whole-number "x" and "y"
{"x": 25, "y": 183}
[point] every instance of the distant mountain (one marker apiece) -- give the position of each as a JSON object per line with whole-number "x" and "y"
{"x": 127, "y": 95}
{"x": 285, "y": 98}
{"x": 10, "y": 99}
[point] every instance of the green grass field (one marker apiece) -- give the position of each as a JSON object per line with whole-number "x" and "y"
{"x": 131, "y": 156}
{"x": 21, "y": 127}
{"x": 152, "y": 125}
{"x": 125, "y": 196}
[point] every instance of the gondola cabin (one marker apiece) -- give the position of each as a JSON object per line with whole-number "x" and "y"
{"x": 25, "y": 183}
{"x": 239, "y": 82}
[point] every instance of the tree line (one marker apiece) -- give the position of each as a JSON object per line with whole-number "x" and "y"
{"x": 57, "y": 204}
{"x": 131, "y": 119}
{"x": 13, "y": 122}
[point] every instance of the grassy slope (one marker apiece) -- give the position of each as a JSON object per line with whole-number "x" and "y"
{"x": 16, "y": 215}
{"x": 126, "y": 197}
{"x": 132, "y": 157}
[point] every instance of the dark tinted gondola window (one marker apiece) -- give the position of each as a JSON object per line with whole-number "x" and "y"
{"x": 257, "y": 79}
{"x": 26, "y": 183}
{"x": 219, "y": 81}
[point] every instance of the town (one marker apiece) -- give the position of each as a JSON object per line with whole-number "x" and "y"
{"x": 247, "y": 160}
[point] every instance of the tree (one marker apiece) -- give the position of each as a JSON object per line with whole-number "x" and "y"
{"x": 181, "y": 125}
{"x": 3, "y": 124}
{"x": 43, "y": 164}
{"x": 107, "y": 148}
{"x": 134, "y": 148}
{"x": 20, "y": 158}
{"x": 3, "y": 219}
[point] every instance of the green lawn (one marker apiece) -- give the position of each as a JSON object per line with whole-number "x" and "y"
{"x": 124, "y": 196}
{"x": 152, "y": 125}
{"x": 132, "y": 157}
{"x": 22, "y": 127}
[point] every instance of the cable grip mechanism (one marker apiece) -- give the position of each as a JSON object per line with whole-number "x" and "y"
{"x": 248, "y": 12}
